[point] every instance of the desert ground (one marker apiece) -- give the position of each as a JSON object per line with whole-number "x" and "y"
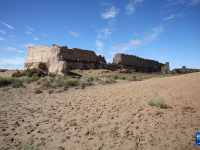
{"x": 113, "y": 116}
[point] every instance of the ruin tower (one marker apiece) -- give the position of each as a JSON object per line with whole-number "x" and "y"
{"x": 165, "y": 69}
{"x": 58, "y": 60}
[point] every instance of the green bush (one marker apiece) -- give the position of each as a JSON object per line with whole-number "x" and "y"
{"x": 35, "y": 77}
{"x": 96, "y": 77}
{"x": 112, "y": 80}
{"x": 90, "y": 78}
{"x": 158, "y": 102}
{"x": 26, "y": 79}
{"x": 60, "y": 82}
{"x": 16, "y": 74}
{"x": 6, "y": 81}
{"x": 115, "y": 76}
{"x": 52, "y": 79}
{"x": 16, "y": 84}
{"x": 73, "y": 82}
{"x": 68, "y": 77}
{"x": 52, "y": 74}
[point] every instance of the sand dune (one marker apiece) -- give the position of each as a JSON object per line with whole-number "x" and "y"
{"x": 114, "y": 116}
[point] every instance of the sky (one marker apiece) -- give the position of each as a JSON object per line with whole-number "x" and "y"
{"x": 162, "y": 30}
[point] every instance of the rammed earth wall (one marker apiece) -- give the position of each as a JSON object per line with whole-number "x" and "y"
{"x": 130, "y": 60}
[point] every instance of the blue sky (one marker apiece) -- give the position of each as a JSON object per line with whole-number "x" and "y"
{"x": 162, "y": 30}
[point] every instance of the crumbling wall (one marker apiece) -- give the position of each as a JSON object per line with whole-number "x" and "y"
{"x": 101, "y": 59}
{"x": 76, "y": 54}
{"x": 131, "y": 60}
{"x": 54, "y": 63}
{"x": 165, "y": 69}
{"x": 184, "y": 70}
{"x": 38, "y": 54}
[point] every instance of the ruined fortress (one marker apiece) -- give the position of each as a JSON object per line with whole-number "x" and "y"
{"x": 59, "y": 60}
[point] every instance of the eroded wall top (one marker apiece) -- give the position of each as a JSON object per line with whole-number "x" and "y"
{"x": 38, "y": 54}
{"x": 135, "y": 61}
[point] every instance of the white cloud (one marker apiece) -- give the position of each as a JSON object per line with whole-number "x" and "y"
{"x": 28, "y": 45}
{"x": 135, "y": 34}
{"x": 36, "y": 39}
{"x": 7, "y": 25}
{"x": 174, "y": 16}
{"x": 11, "y": 49}
{"x": 28, "y": 28}
{"x": 99, "y": 45}
{"x": 153, "y": 35}
{"x": 182, "y": 2}
{"x": 2, "y": 39}
{"x": 2, "y": 32}
{"x": 136, "y": 42}
{"x": 104, "y": 33}
{"x": 121, "y": 47}
{"x": 12, "y": 36}
{"x": 104, "y": 3}
{"x": 194, "y": 2}
{"x": 111, "y": 22}
{"x": 12, "y": 61}
{"x": 131, "y": 7}
{"x": 44, "y": 34}
{"x": 74, "y": 33}
{"x": 162, "y": 51}
{"x": 126, "y": 46}
{"x": 110, "y": 13}
{"x": 28, "y": 32}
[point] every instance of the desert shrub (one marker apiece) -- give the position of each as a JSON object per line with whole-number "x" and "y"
{"x": 52, "y": 74}
{"x": 31, "y": 72}
{"x": 152, "y": 76}
{"x": 35, "y": 77}
{"x": 121, "y": 76}
{"x": 6, "y": 81}
{"x": 28, "y": 74}
{"x": 112, "y": 80}
{"x": 60, "y": 82}
{"x": 73, "y": 82}
{"x": 106, "y": 80}
{"x": 26, "y": 79}
{"x": 37, "y": 82}
{"x": 158, "y": 102}
{"x": 16, "y": 74}
{"x": 52, "y": 79}
{"x": 68, "y": 77}
{"x": 115, "y": 76}
{"x": 90, "y": 78}
{"x": 96, "y": 77}
{"x": 86, "y": 83}
{"x": 37, "y": 91}
{"x": 50, "y": 91}
{"x": 16, "y": 84}
{"x": 44, "y": 84}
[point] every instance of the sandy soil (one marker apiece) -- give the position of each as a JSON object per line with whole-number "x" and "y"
{"x": 112, "y": 116}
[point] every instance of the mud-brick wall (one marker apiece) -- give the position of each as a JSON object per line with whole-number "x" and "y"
{"x": 135, "y": 61}
{"x": 37, "y": 54}
{"x": 78, "y": 55}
